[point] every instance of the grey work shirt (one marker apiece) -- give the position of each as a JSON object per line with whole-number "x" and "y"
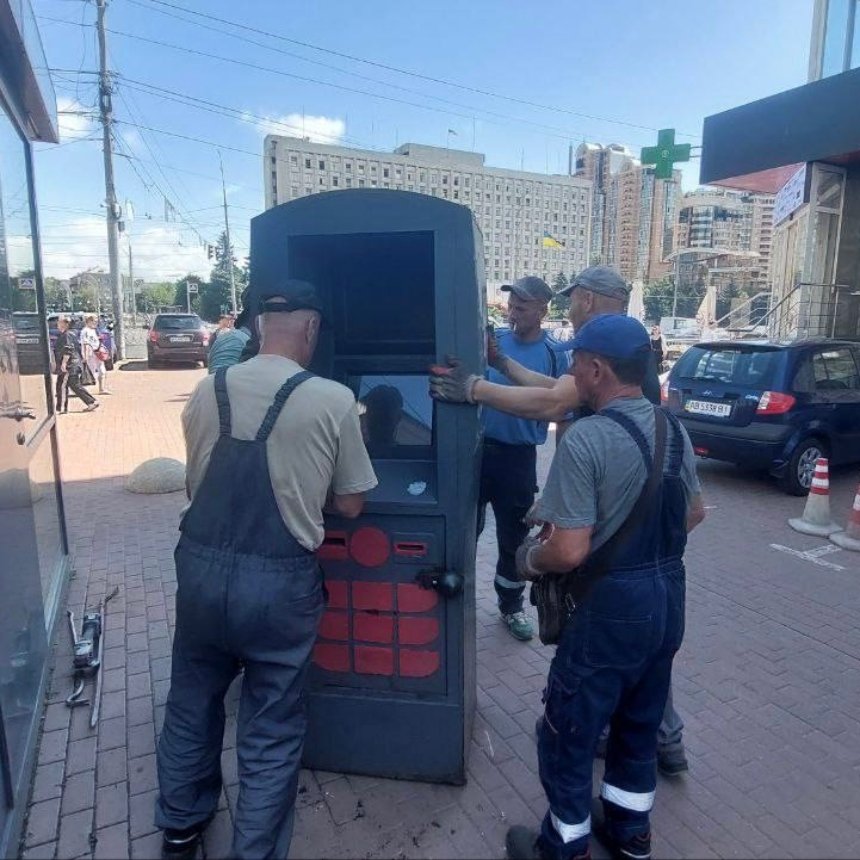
{"x": 597, "y": 472}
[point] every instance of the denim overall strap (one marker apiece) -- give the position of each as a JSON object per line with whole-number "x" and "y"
{"x": 278, "y": 404}
{"x": 223, "y": 401}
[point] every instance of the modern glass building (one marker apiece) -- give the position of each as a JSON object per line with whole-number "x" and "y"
{"x": 803, "y": 145}
{"x": 33, "y": 545}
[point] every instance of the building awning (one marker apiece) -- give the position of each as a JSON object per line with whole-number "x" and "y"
{"x": 24, "y": 71}
{"x": 758, "y": 146}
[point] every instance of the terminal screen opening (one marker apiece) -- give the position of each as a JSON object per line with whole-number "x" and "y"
{"x": 396, "y": 414}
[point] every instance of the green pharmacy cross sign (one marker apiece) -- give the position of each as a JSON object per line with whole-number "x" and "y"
{"x": 665, "y": 154}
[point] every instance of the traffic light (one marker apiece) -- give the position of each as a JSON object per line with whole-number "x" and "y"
{"x": 210, "y": 251}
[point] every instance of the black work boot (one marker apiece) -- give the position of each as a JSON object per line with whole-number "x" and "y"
{"x": 182, "y": 844}
{"x": 635, "y": 848}
{"x": 672, "y": 761}
{"x": 522, "y": 843}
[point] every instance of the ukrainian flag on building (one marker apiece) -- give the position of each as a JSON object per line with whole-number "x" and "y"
{"x": 551, "y": 242}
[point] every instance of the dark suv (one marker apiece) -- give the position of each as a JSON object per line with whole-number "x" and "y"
{"x": 773, "y": 406}
{"x": 177, "y": 337}
{"x": 29, "y": 342}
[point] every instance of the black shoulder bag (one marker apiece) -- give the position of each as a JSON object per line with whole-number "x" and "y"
{"x": 556, "y": 594}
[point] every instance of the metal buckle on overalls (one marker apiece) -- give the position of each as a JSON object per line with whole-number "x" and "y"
{"x": 570, "y": 604}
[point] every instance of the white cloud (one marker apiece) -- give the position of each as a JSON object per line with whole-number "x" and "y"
{"x": 82, "y": 244}
{"x": 316, "y": 129}
{"x": 132, "y": 139}
{"x": 74, "y": 119}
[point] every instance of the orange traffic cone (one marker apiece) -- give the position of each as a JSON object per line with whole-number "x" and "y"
{"x": 850, "y": 538}
{"x": 816, "y": 515}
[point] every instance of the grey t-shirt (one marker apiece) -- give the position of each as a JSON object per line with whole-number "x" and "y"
{"x": 598, "y": 472}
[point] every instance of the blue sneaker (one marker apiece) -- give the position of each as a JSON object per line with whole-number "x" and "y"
{"x": 519, "y": 626}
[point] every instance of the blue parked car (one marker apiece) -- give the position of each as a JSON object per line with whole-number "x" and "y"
{"x": 770, "y": 406}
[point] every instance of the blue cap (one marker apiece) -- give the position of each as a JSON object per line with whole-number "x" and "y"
{"x": 613, "y": 336}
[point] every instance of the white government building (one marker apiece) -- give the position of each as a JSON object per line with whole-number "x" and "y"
{"x": 532, "y": 224}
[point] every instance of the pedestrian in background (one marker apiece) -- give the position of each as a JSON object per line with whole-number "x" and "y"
{"x": 658, "y": 348}
{"x": 621, "y": 496}
{"x": 267, "y": 442}
{"x": 69, "y": 363}
{"x": 227, "y": 349}
{"x": 94, "y": 353}
{"x": 225, "y": 322}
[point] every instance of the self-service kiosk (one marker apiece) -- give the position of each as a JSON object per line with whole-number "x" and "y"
{"x": 393, "y": 677}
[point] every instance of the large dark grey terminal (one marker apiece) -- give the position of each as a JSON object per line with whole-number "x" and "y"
{"x": 401, "y": 279}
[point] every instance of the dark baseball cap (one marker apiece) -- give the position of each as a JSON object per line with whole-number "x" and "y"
{"x": 296, "y": 295}
{"x": 613, "y": 336}
{"x": 530, "y": 289}
{"x": 599, "y": 279}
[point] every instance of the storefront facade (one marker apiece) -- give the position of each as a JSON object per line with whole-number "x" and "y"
{"x": 804, "y": 146}
{"x": 33, "y": 545}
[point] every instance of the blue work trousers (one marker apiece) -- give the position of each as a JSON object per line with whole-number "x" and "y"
{"x": 613, "y": 665}
{"x": 264, "y": 613}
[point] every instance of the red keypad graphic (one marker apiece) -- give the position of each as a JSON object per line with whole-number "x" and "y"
{"x": 380, "y": 628}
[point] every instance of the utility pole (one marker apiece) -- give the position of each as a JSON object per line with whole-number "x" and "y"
{"x": 106, "y": 112}
{"x": 229, "y": 244}
{"x": 188, "y": 296}
{"x": 131, "y": 283}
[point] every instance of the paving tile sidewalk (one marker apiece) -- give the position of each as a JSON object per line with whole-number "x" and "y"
{"x": 768, "y": 683}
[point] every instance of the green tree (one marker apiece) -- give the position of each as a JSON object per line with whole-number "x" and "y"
{"x": 560, "y": 304}
{"x": 216, "y": 296}
{"x": 181, "y": 294}
{"x": 56, "y": 295}
{"x": 152, "y": 297}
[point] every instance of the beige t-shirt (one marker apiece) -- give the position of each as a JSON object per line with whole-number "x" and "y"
{"x": 315, "y": 444}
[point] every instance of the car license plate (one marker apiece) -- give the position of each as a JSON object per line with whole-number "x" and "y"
{"x": 28, "y": 340}
{"x": 705, "y": 407}
{"x": 181, "y": 339}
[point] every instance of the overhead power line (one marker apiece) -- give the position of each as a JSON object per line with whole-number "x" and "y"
{"x": 409, "y": 72}
{"x": 502, "y": 119}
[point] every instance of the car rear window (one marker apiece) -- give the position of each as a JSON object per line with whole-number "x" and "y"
{"x": 178, "y": 322}
{"x": 745, "y": 367}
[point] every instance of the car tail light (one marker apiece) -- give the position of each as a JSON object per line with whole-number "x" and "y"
{"x": 664, "y": 392}
{"x": 153, "y": 336}
{"x": 774, "y": 403}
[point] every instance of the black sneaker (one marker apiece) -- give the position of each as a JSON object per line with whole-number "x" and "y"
{"x": 636, "y": 848}
{"x": 182, "y": 844}
{"x": 672, "y": 761}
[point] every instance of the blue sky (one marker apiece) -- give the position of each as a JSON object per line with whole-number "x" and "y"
{"x": 614, "y": 71}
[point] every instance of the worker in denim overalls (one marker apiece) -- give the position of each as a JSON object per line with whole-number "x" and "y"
{"x": 250, "y": 593}
{"x": 614, "y": 660}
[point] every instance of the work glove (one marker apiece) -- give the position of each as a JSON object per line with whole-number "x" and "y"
{"x": 495, "y": 357}
{"x": 525, "y": 571}
{"x": 452, "y": 384}
{"x": 531, "y": 520}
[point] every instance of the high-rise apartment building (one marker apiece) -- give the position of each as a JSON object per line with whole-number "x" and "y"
{"x": 728, "y": 236}
{"x": 531, "y": 223}
{"x": 633, "y": 213}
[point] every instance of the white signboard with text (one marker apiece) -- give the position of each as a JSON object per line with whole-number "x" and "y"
{"x": 790, "y": 197}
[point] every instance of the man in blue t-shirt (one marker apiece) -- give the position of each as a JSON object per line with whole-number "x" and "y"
{"x": 509, "y": 464}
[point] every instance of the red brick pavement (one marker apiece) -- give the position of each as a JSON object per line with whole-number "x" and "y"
{"x": 767, "y": 681}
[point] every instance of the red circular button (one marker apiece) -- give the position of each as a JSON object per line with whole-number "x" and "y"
{"x": 369, "y": 547}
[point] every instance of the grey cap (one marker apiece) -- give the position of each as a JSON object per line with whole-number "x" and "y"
{"x": 599, "y": 279}
{"x": 530, "y": 289}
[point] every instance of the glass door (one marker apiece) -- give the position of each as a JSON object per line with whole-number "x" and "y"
{"x": 32, "y": 542}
